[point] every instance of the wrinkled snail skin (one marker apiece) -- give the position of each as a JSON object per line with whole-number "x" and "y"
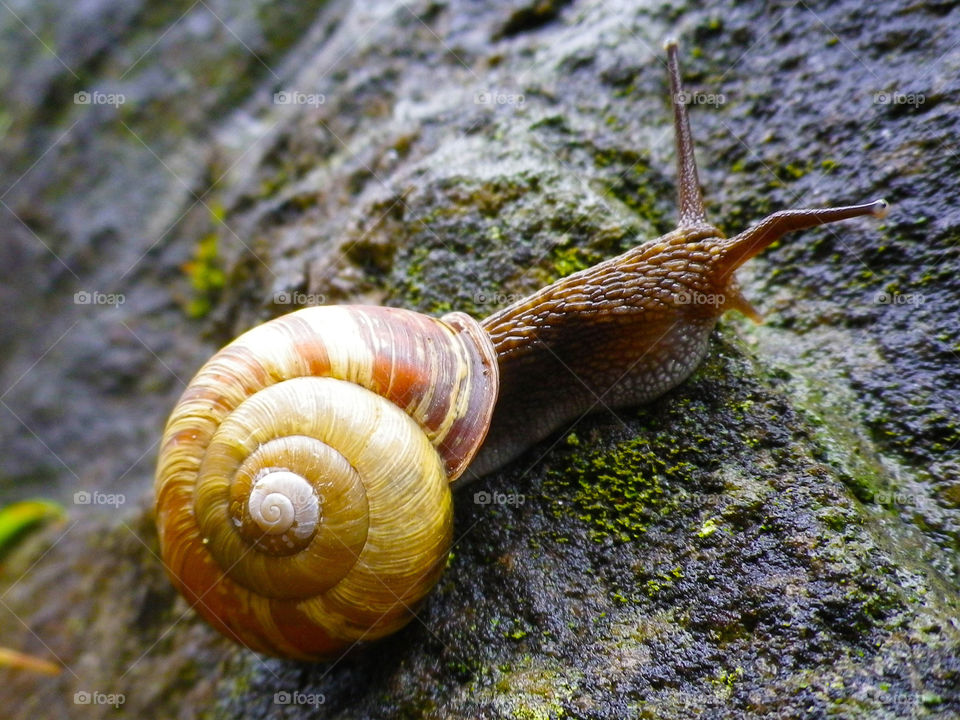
{"x": 625, "y": 331}
{"x": 620, "y": 333}
{"x": 303, "y": 488}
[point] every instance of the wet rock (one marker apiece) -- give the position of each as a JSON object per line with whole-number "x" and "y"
{"x": 776, "y": 537}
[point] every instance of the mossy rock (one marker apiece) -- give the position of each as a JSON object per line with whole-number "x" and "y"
{"x": 777, "y": 537}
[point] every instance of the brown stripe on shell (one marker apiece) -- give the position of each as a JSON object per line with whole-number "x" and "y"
{"x": 308, "y": 346}
{"x": 443, "y": 372}
{"x": 426, "y": 367}
{"x": 481, "y": 385}
{"x": 398, "y": 338}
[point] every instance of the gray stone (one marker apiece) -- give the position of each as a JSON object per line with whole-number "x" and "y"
{"x": 777, "y": 537}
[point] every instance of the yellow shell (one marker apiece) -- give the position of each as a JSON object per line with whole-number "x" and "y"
{"x": 302, "y": 489}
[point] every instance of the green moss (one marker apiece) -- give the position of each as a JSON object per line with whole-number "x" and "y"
{"x": 568, "y": 260}
{"x": 532, "y": 713}
{"x": 533, "y": 692}
{"x": 411, "y": 288}
{"x": 840, "y": 442}
{"x": 204, "y": 271}
{"x": 708, "y": 528}
{"x": 487, "y": 198}
{"x": 745, "y": 211}
{"x": 616, "y": 492}
{"x": 726, "y": 679}
{"x": 282, "y": 25}
{"x": 662, "y": 581}
{"x": 465, "y": 667}
{"x": 789, "y": 172}
{"x": 634, "y": 184}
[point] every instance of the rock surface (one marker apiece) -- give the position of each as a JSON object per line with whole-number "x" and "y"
{"x": 778, "y": 537}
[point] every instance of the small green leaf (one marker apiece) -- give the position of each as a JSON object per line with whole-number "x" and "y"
{"x": 18, "y": 519}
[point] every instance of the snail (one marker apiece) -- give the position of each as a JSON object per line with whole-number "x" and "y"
{"x": 303, "y": 493}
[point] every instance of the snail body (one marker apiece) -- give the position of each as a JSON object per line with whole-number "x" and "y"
{"x": 303, "y": 485}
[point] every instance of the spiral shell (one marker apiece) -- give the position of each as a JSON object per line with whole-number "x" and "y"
{"x": 303, "y": 498}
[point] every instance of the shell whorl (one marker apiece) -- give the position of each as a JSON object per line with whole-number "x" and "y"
{"x": 303, "y": 496}
{"x": 283, "y": 503}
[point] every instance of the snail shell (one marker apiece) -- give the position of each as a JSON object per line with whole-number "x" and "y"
{"x": 303, "y": 491}
{"x": 303, "y": 497}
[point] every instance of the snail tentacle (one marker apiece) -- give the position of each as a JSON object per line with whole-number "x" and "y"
{"x": 303, "y": 485}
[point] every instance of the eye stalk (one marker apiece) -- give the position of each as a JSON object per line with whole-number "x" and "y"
{"x": 735, "y": 251}
{"x": 627, "y": 330}
{"x": 740, "y": 248}
{"x": 689, "y": 198}
{"x": 303, "y": 484}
